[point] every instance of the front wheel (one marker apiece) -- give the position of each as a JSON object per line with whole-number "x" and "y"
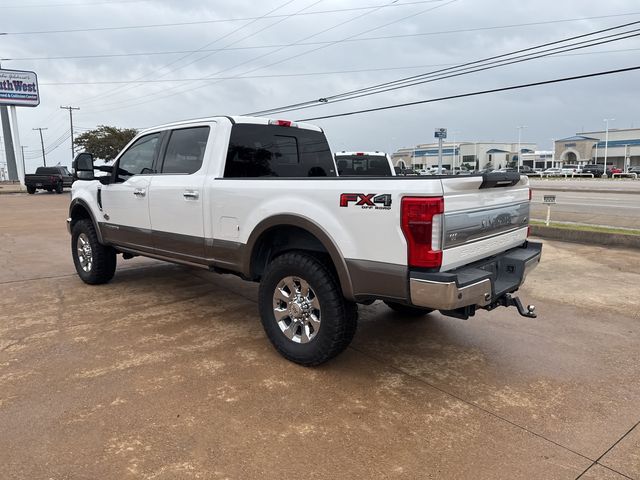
{"x": 408, "y": 310}
{"x": 94, "y": 262}
{"x": 303, "y": 311}
{"x": 31, "y": 190}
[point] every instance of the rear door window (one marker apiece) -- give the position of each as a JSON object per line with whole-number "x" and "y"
{"x": 277, "y": 151}
{"x": 185, "y": 150}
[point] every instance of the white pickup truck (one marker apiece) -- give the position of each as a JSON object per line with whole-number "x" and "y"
{"x": 261, "y": 199}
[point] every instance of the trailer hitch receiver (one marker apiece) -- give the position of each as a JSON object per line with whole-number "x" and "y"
{"x": 508, "y": 300}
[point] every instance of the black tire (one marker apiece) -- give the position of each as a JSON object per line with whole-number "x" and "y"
{"x": 59, "y": 188}
{"x": 338, "y": 316}
{"x": 31, "y": 190}
{"x": 408, "y": 310}
{"x": 49, "y": 189}
{"x": 103, "y": 264}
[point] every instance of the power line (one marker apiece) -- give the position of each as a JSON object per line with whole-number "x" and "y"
{"x": 129, "y": 104}
{"x": 46, "y": 5}
{"x": 313, "y": 74}
{"x": 202, "y": 22}
{"x": 154, "y": 94}
{"x": 462, "y": 69}
{"x": 472, "y": 94}
{"x": 33, "y": 154}
{"x": 92, "y": 98}
{"x": 327, "y": 42}
{"x": 235, "y": 42}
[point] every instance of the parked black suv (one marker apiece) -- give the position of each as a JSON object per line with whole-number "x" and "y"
{"x": 596, "y": 169}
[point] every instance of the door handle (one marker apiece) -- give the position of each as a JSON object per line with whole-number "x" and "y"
{"x": 139, "y": 192}
{"x": 192, "y": 194}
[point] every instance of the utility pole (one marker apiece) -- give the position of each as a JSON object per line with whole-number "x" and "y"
{"x": 40, "y": 129}
{"x": 71, "y": 109}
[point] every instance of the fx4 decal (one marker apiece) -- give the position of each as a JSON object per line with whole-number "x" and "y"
{"x": 371, "y": 201}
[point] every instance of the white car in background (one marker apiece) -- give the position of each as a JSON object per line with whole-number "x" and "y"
{"x": 553, "y": 172}
{"x": 571, "y": 169}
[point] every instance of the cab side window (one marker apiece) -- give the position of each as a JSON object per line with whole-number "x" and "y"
{"x": 185, "y": 150}
{"x": 138, "y": 159}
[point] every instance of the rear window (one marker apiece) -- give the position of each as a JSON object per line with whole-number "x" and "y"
{"x": 362, "y": 165}
{"x": 276, "y": 151}
{"x": 47, "y": 171}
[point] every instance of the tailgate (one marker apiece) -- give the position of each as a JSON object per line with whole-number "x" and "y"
{"x": 484, "y": 215}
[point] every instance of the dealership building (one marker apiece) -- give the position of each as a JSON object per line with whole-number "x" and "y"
{"x": 623, "y": 148}
{"x": 474, "y": 155}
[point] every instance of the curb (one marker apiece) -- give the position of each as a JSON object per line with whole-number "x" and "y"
{"x": 588, "y": 238}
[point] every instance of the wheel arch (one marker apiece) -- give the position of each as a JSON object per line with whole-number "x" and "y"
{"x": 292, "y": 232}
{"x": 79, "y": 210}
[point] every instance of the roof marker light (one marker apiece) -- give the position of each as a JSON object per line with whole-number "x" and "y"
{"x": 283, "y": 123}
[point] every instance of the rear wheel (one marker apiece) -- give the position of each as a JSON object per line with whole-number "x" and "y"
{"x": 408, "y": 310}
{"x": 303, "y": 311}
{"x": 94, "y": 262}
{"x": 31, "y": 190}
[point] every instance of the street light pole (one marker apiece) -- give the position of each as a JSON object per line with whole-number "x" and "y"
{"x": 606, "y": 145}
{"x": 519, "y": 148}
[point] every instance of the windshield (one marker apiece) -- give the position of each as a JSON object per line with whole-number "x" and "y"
{"x": 363, "y": 165}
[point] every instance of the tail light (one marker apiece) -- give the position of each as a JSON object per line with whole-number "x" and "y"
{"x": 421, "y": 221}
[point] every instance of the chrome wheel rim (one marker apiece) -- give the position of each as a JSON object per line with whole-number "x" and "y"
{"x": 296, "y": 309}
{"x": 85, "y": 253}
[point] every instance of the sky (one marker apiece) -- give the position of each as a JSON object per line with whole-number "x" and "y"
{"x": 127, "y": 71}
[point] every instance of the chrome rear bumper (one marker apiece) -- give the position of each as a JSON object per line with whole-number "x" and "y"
{"x": 479, "y": 284}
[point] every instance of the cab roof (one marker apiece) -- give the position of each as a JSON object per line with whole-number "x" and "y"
{"x": 237, "y": 119}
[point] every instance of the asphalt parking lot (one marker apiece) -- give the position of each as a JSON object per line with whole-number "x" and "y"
{"x": 166, "y": 373}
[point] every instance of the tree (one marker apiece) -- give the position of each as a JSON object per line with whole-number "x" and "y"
{"x": 105, "y": 142}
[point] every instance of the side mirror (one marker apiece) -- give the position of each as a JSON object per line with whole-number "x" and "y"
{"x": 83, "y": 167}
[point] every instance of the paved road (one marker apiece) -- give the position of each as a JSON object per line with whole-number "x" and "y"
{"x": 615, "y": 209}
{"x": 165, "y": 373}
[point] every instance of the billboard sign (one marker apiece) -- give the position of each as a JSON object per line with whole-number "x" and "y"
{"x": 19, "y": 88}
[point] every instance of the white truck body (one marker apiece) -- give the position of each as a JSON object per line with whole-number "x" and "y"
{"x": 217, "y": 221}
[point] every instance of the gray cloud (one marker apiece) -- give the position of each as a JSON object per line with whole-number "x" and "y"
{"x": 552, "y": 111}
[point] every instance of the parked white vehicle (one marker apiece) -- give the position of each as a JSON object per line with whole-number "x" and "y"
{"x": 260, "y": 199}
{"x": 570, "y": 169}
{"x": 552, "y": 172}
{"x": 364, "y": 164}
